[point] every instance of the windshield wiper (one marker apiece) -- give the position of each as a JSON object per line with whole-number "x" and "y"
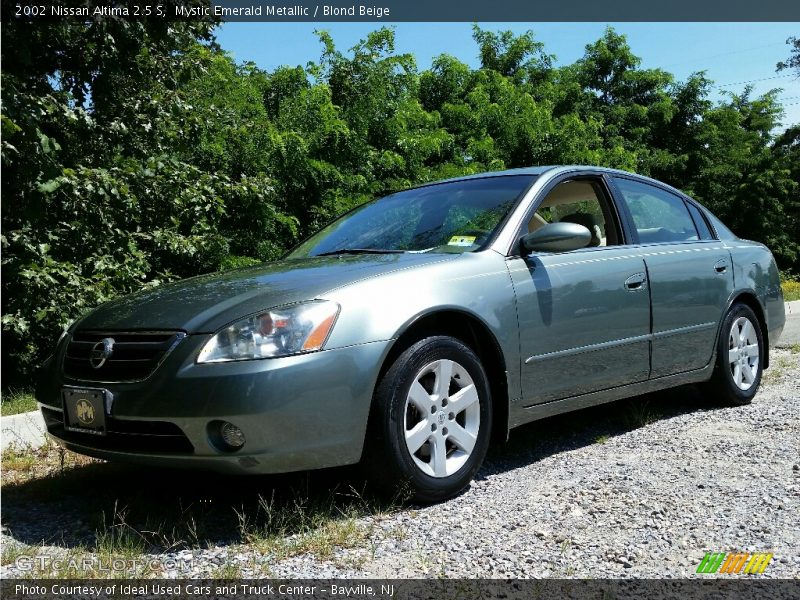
{"x": 360, "y": 251}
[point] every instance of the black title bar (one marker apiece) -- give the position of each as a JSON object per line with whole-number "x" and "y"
{"x": 388, "y": 11}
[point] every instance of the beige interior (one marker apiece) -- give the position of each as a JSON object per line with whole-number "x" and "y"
{"x": 569, "y": 192}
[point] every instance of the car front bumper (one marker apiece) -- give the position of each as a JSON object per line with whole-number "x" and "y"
{"x": 300, "y": 412}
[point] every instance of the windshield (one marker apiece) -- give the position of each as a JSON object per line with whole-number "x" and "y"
{"x": 448, "y": 217}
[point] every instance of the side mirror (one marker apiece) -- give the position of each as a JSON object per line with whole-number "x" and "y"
{"x": 557, "y": 237}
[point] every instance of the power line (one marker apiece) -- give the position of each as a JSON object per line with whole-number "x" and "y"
{"x": 703, "y": 58}
{"x": 753, "y": 80}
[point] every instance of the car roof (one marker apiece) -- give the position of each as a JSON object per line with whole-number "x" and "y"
{"x": 520, "y": 171}
{"x": 539, "y": 170}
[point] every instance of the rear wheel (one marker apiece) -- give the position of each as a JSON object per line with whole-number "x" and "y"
{"x": 431, "y": 419}
{"x": 740, "y": 352}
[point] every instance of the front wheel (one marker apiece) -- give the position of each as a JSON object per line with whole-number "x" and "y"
{"x": 740, "y": 352}
{"x": 431, "y": 421}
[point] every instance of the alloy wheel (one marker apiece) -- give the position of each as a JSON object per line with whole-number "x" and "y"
{"x": 442, "y": 418}
{"x": 743, "y": 353}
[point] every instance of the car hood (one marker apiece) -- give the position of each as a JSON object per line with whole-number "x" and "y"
{"x": 206, "y": 303}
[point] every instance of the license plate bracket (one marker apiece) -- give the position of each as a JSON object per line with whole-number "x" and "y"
{"x": 85, "y": 409}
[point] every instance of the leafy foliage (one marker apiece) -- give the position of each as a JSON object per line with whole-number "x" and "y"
{"x": 135, "y": 153}
{"x": 793, "y": 62}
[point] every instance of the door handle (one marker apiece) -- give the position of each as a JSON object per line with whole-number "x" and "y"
{"x": 721, "y": 266}
{"x": 637, "y": 281}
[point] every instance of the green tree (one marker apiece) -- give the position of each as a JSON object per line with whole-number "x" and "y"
{"x": 136, "y": 152}
{"x": 98, "y": 197}
{"x": 793, "y": 62}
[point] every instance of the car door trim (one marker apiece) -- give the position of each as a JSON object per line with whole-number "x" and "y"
{"x": 625, "y": 216}
{"x": 657, "y": 335}
{"x": 590, "y": 348}
{"x": 648, "y": 337}
{"x": 582, "y": 255}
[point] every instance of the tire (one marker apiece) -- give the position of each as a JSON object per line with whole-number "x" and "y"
{"x": 419, "y": 438}
{"x": 740, "y": 358}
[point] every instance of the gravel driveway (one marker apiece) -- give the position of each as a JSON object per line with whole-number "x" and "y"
{"x": 638, "y": 488}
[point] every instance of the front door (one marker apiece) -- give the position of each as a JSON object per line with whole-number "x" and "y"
{"x": 584, "y": 316}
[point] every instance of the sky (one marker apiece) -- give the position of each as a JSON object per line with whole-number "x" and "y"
{"x": 732, "y": 54}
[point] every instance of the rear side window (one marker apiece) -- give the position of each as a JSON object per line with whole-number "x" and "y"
{"x": 700, "y": 222}
{"x": 658, "y": 215}
{"x": 723, "y": 232}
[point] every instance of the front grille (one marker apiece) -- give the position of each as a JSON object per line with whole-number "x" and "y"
{"x": 124, "y": 435}
{"x": 134, "y": 357}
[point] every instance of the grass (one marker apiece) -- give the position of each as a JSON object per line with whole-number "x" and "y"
{"x": 779, "y": 367}
{"x": 21, "y": 464}
{"x": 640, "y": 413}
{"x": 315, "y": 526}
{"x": 10, "y": 552}
{"x": 14, "y": 403}
{"x": 117, "y": 539}
{"x": 113, "y": 519}
{"x": 791, "y": 289}
{"x": 229, "y": 570}
{"x": 18, "y": 460}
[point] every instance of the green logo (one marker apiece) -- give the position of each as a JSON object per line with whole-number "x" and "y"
{"x": 734, "y": 562}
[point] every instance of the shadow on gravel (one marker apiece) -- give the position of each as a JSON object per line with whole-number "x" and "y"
{"x": 570, "y": 431}
{"x": 158, "y": 510}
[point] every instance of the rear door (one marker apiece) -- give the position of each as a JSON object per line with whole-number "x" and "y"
{"x": 689, "y": 272}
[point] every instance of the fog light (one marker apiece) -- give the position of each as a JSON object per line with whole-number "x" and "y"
{"x": 231, "y": 435}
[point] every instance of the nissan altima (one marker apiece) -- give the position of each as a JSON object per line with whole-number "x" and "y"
{"x": 415, "y": 329}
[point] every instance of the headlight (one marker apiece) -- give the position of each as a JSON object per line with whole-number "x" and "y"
{"x": 278, "y": 332}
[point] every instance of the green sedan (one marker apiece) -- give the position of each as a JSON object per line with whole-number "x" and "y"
{"x": 413, "y": 330}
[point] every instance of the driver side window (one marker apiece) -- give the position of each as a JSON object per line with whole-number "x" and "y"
{"x": 582, "y": 202}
